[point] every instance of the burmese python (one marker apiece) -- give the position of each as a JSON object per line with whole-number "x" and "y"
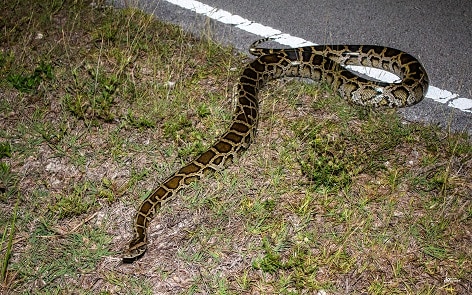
{"x": 319, "y": 63}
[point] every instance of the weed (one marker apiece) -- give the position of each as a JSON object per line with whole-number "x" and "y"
{"x": 203, "y": 110}
{"x": 5, "y": 150}
{"x": 79, "y": 201}
{"x": 30, "y": 82}
{"x": 139, "y": 122}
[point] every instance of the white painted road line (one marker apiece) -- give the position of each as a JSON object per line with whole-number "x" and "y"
{"x": 439, "y": 95}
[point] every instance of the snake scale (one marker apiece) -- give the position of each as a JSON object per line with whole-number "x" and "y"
{"x": 324, "y": 63}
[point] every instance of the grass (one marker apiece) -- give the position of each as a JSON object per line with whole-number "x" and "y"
{"x": 7, "y": 239}
{"x": 100, "y": 105}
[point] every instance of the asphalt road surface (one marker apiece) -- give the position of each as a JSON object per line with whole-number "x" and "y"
{"x": 438, "y": 33}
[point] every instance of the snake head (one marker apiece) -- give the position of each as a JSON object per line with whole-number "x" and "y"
{"x": 136, "y": 250}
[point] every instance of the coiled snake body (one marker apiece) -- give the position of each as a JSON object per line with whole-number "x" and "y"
{"x": 324, "y": 63}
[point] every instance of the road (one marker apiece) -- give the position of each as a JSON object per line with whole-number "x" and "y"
{"x": 438, "y": 33}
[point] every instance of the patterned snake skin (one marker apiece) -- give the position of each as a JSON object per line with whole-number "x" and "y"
{"x": 323, "y": 63}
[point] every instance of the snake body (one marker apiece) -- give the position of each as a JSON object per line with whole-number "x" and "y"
{"x": 325, "y": 63}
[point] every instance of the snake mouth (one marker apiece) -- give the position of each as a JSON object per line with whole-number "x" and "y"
{"x": 128, "y": 260}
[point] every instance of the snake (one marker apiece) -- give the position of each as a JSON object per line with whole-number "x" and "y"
{"x": 320, "y": 63}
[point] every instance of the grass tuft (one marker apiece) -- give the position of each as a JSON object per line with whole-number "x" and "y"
{"x": 6, "y": 244}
